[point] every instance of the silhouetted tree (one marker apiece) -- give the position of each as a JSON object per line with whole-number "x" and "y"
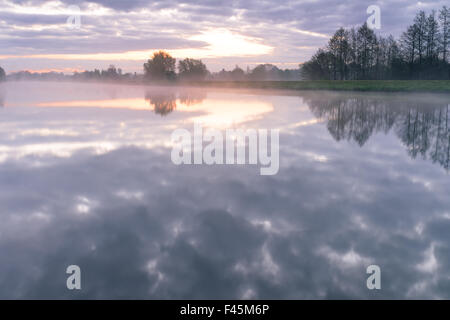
{"x": 2, "y": 74}
{"x": 237, "y": 74}
{"x": 160, "y": 67}
{"x": 339, "y": 47}
{"x": 444, "y": 38}
{"x": 191, "y": 69}
{"x": 366, "y": 51}
{"x": 444, "y": 41}
{"x": 361, "y": 54}
{"x": 265, "y": 72}
{"x": 319, "y": 67}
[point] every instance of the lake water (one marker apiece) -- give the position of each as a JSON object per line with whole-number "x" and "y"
{"x": 86, "y": 179}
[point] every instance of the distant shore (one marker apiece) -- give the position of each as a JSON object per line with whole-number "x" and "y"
{"x": 442, "y": 86}
{"x": 425, "y": 86}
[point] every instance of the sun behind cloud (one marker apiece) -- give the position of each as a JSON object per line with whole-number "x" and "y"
{"x": 224, "y": 43}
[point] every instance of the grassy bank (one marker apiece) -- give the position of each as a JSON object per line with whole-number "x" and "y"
{"x": 352, "y": 85}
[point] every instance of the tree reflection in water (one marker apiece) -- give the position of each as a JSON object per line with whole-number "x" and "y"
{"x": 2, "y": 96}
{"x": 191, "y": 97}
{"x": 164, "y": 102}
{"x": 420, "y": 122}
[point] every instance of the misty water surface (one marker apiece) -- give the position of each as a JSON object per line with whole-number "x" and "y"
{"x": 86, "y": 179}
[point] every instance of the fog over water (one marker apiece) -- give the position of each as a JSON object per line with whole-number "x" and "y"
{"x": 86, "y": 178}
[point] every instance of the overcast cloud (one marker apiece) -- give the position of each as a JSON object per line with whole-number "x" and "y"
{"x": 34, "y": 34}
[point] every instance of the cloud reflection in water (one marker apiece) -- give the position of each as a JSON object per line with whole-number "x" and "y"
{"x": 140, "y": 227}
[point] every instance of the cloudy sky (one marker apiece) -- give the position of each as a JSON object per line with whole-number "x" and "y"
{"x": 44, "y": 35}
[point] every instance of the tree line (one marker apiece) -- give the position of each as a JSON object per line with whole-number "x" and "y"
{"x": 162, "y": 66}
{"x": 422, "y": 52}
{"x": 110, "y": 74}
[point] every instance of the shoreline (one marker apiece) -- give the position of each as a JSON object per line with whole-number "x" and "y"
{"x": 410, "y": 86}
{"x": 428, "y": 86}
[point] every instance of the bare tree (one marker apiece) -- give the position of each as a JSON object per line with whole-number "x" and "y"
{"x": 444, "y": 20}
{"x": 361, "y": 54}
